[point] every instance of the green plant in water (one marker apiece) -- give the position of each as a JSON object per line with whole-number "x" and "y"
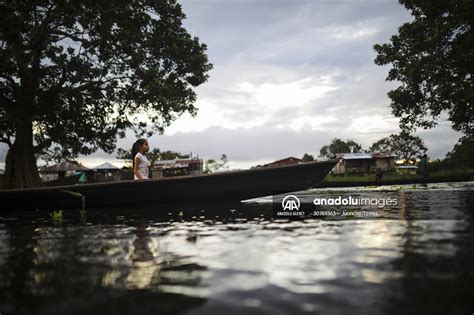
{"x": 57, "y": 216}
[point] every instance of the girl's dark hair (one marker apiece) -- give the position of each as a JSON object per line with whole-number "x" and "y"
{"x": 135, "y": 148}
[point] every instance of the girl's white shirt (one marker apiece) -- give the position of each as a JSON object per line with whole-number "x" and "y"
{"x": 142, "y": 166}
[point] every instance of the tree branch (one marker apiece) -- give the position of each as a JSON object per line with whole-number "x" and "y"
{"x": 44, "y": 145}
{"x": 9, "y": 79}
{"x": 71, "y": 36}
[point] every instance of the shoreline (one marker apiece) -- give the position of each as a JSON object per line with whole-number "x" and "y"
{"x": 443, "y": 179}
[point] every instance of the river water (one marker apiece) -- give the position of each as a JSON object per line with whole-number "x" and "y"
{"x": 416, "y": 257}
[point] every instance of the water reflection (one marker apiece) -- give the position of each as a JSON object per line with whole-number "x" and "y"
{"x": 418, "y": 258}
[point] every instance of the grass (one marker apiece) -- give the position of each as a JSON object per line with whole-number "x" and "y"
{"x": 394, "y": 176}
{"x": 453, "y": 172}
{"x": 366, "y": 177}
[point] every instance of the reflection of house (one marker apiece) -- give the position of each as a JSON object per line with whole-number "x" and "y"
{"x": 107, "y": 172}
{"x": 358, "y": 163}
{"x": 177, "y": 167}
{"x": 61, "y": 170}
{"x": 287, "y": 161}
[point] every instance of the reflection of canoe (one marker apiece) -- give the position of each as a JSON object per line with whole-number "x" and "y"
{"x": 232, "y": 185}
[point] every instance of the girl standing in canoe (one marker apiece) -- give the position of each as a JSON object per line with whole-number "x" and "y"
{"x": 140, "y": 162}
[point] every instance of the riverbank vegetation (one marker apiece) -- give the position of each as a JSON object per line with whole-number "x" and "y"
{"x": 393, "y": 176}
{"x": 458, "y": 163}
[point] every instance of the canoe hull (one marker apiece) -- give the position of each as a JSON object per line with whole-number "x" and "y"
{"x": 234, "y": 185}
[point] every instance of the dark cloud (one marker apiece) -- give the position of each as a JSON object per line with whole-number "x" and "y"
{"x": 232, "y": 28}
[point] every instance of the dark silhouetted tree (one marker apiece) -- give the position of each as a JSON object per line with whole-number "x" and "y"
{"x": 307, "y": 157}
{"x": 213, "y": 165}
{"x": 462, "y": 155}
{"x": 74, "y": 75}
{"x": 405, "y": 146}
{"x": 432, "y": 58}
{"x": 339, "y": 146}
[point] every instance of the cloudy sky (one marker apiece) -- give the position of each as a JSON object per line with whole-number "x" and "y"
{"x": 289, "y": 76}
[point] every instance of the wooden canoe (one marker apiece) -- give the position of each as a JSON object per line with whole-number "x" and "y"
{"x": 223, "y": 186}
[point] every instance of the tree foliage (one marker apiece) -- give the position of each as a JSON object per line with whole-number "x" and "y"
{"x": 433, "y": 59}
{"x": 462, "y": 155}
{"x": 405, "y": 146}
{"x": 214, "y": 165}
{"x": 339, "y": 146}
{"x": 75, "y": 74}
{"x": 307, "y": 157}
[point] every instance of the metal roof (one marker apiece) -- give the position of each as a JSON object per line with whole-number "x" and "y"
{"x": 365, "y": 156}
{"x": 288, "y": 159}
{"x": 106, "y": 166}
{"x": 166, "y": 161}
{"x": 355, "y": 156}
{"x": 176, "y": 163}
{"x": 382, "y": 155}
{"x": 65, "y": 166}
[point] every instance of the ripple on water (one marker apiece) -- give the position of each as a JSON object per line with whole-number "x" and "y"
{"x": 254, "y": 262}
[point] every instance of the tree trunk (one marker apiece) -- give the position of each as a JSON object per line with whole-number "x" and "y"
{"x": 20, "y": 167}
